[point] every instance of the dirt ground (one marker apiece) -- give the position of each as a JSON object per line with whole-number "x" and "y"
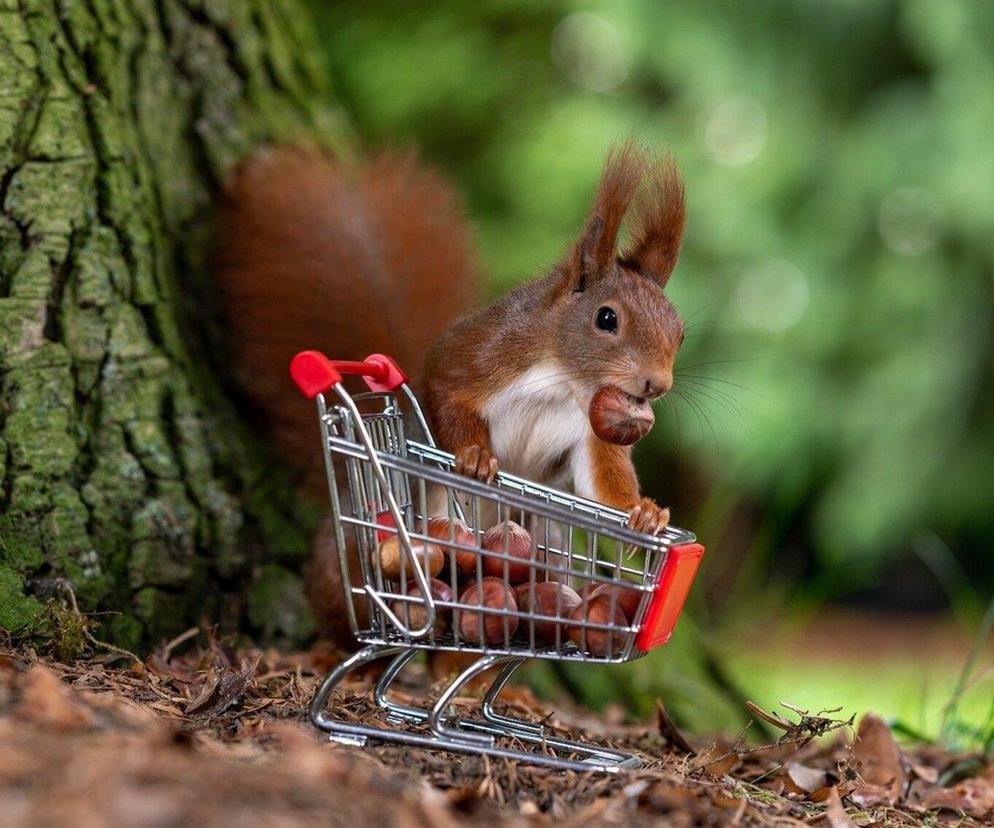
{"x": 219, "y": 738}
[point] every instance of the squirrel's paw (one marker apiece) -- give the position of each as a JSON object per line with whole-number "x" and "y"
{"x": 648, "y": 517}
{"x": 476, "y": 462}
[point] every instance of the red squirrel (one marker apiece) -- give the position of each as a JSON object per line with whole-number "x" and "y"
{"x": 512, "y": 385}
{"x": 355, "y": 259}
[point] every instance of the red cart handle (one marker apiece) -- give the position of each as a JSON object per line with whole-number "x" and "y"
{"x": 314, "y": 373}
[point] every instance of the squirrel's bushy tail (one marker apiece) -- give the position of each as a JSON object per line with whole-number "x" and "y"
{"x": 346, "y": 259}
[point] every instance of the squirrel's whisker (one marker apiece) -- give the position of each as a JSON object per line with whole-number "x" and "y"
{"x": 720, "y": 392}
{"x": 702, "y": 414}
{"x": 717, "y": 362}
{"x": 725, "y": 404}
{"x": 725, "y": 381}
{"x": 708, "y": 306}
{"x": 676, "y": 418}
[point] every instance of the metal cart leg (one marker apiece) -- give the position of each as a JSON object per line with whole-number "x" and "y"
{"x": 457, "y": 734}
{"x": 492, "y": 716}
{"x": 535, "y": 733}
{"x": 436, "y": 719}
{"x": 342, "y": 731}
{"x": 402, "y": 711}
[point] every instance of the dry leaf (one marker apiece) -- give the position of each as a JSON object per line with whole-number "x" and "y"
{"x": 721, "y": 766}
{"x": 211, "y": 681}
{"x": 974, "y": 797}
{"x": 223, "y": 655}
{"x": 835, "y": 813}
{"x": 666, "y": 797}
{"x": 882, "y": 762}
{"x": 670, "y": 732}
{"x": 823, "y": 794}
{"x": 804, "y": 779}
{"x": 178, "y": 669}
{"x": 869, "y": 796}
{"x": 715, "y": 761}
{"x": 926, "y": 772}
{"x": 227, "y": 690}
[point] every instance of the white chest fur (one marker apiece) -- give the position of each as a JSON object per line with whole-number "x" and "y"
{"x": 535, "y": 422}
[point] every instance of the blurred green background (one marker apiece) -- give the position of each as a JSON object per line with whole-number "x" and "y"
{"x": 831, "y": 435}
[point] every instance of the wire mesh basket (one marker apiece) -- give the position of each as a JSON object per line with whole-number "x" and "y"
{"x": 434, "y": 560}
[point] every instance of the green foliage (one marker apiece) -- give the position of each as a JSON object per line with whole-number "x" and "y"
{"x": 18, "y": 612}
{"x": 837, "y": 268}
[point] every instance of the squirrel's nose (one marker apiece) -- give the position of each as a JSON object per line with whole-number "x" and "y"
{"x": 658, "y": 384}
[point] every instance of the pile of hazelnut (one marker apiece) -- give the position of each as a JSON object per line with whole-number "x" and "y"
{"x": 506, "y": 583}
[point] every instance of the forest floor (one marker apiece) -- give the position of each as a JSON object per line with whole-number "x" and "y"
{"x": 219, "y": 738}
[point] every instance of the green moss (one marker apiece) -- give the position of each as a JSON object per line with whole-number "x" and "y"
{"x": 116, "y": 485}
{"x": 51, "y": 198}
{"x": 19, "y": 613}
{"x": 101, "y": 274}
{"x": 163, "y": 542}
{"x": 278, "y": 607}
{"x": 61, "y": 131}
{"x": 123, "y": 629}
{"x": 20, "y": 547}
{"x": 162, "y": 614}
{"x": 32, "y": 280}
{"x": 64, "y": 529}
{"x": 152, "y": 563}
{"x": 227, "y": 524}
{"x": 67, "y": 631}
{"x": 286, "y": 527}
{"x": 37, "y": 429}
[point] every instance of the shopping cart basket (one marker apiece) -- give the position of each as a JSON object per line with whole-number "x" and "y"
{"x": 385, "y": 487}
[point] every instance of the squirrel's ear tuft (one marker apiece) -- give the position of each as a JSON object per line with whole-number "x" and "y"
{"x": 657, "y": 230}
{"x": 595, "y": 250}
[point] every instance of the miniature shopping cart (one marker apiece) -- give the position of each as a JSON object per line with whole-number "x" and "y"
{"x": 384, "y": 488}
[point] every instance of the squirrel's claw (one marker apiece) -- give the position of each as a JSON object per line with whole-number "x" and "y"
{"x": 476, "y": 462}
{"x": 648, "y": 517}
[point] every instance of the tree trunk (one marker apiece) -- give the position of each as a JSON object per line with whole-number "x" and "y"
{"x": 123, "y": 471}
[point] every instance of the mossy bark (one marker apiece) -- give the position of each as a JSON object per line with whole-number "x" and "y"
{"x": 122, "y": 468}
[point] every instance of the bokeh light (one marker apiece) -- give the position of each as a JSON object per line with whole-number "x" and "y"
{"x": 735, "y": 130}
{"x": 909, "y": 220}
{"x": 591, "y": 51}
{"x": 772, "y": 296}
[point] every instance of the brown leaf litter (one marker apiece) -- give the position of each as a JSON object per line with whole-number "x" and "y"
{"x": 220, "y": 738}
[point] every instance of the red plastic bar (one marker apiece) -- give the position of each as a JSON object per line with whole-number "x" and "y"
{"x": 314, "y": 373}
{"x": 381, "y": 373}
{"x": 670, "y": 595}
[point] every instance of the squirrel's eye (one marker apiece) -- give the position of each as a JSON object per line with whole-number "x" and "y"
{"x": 606, "y": 320}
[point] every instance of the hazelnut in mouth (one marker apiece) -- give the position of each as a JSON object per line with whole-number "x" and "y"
{"x": 619, "y": 417}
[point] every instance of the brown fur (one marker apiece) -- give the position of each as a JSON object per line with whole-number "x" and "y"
{"x": 658, "y": 227}
{"x": 613, "y": 473}
{"x": 623, "y": 170}
{"x": 349, "y": 261}
{"x": 312, "y": 254}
